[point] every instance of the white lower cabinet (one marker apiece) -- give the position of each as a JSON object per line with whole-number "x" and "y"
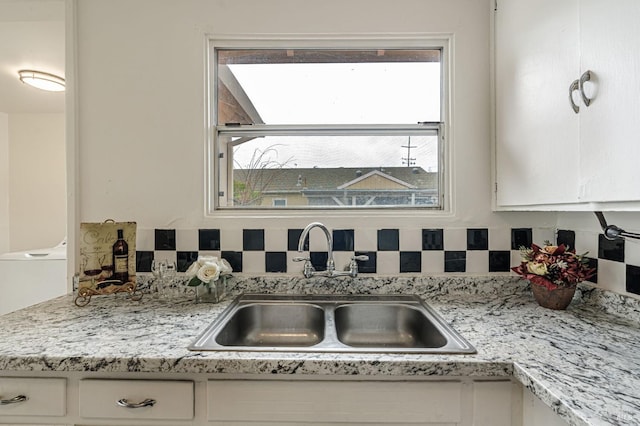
{"x": 536, "y": 413}
{"x": 23, "y": 399}
{"x": 136, "y": 399}
{"x": 212, "y": 400}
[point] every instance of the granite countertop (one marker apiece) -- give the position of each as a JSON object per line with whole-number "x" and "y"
{"x": 583, "y": 362}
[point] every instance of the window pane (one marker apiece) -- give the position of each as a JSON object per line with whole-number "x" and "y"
{"x": 304, "y": 86}
{"x": 331, "y": 171}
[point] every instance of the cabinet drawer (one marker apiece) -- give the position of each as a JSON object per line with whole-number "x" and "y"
{"x": 45, "y": 397}
{"x": 173, "y": 399}
{"x": 299, "y": 401}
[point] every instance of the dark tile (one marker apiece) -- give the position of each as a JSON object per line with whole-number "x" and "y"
{"x": 253, "y": 239}
{"x": 410, "y": 261}
{"x": 477, "y": 239}
{"x": 276, "y": 261}
{"x": 432, "y": 239}
{"x": 234, "y": 258}
{"x": 568, "y": 238}
{"x": 293, "y": 237}
{"x": 208, "y": 239}
{"x": 367, "y": 266}
{"x": 388, "y": 240}
{"x": 184, "y": 259}
{"x": 593, "y": 263}
{"x": 610, "y": 250}
{"x": 319, "y": 260}
{"x": 343, "y": 240}
{"x": 499, "y": 261}
{"x": 633, "y": 279}
{"x": 165, "y": 239}
{"x": 521, "y": 237}
{"x": 455, "y": 261}
{"x": 143, "y": 261}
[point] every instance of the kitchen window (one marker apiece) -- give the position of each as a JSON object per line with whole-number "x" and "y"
{"x": 299, "y": 125}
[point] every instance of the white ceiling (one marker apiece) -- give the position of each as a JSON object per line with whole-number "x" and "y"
{"x": 31, "y": 37}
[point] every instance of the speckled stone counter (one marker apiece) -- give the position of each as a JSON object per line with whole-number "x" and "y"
{"x": 583, "y": 362}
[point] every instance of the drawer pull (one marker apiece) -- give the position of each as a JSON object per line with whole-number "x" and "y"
{"x": 16, "y": 400}
{"x": 146, "y": 403}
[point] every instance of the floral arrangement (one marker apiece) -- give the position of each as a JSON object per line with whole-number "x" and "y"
{"x": 207, "y": 269}
{"x": 553, "y": 266}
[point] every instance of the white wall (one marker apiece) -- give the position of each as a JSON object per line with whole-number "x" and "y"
{"x": 37, "y": 180}
{"x": 141, "y": 103}
{"x": 4, "y": 182}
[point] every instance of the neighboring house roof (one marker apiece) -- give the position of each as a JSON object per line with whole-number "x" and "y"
{"x": 342, "y": 178}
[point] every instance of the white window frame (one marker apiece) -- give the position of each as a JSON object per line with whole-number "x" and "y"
{"x": 372, "y": 41}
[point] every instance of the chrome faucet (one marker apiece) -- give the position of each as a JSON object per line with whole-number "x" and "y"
{"x": 309, "y": 271}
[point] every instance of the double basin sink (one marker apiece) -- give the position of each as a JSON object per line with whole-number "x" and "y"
{"x": 331, "y": 323}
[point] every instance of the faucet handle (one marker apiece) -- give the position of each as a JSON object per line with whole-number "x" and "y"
{"x": 301, "y": 259}
{"x": 362, "y": 257}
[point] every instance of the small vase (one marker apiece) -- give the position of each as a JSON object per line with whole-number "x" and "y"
{"x": 557, "y": 299}
{"x": 213, "y": 292}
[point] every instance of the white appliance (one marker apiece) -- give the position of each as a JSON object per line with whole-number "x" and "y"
{"x": 32, "y": 276}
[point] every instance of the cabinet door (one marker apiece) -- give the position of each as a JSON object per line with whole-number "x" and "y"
{"x": 537, "y": 132}
{"x": 610, "y": 126}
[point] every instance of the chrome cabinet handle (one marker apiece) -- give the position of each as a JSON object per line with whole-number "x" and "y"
{"x": 146, "y": 403}
{"x": 586, "y": 76}
{"x": 16, "y": 400}
{"x": 575, "y": 85}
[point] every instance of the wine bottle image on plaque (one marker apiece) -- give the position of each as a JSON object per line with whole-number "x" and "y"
{"x": 107, "y": 259}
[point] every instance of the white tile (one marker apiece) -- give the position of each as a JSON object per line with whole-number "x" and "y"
{"x": 187, "y": 239}
{"x": 366, "y": 239}
{"x": 294, "y": 268}
{"x": 455, "y": 239}
{"x": 410, "y": 239}
{"x": 632, "y": 252}
{"x": 612, "y": 275}
{"x": 433, "y": 261}
{"x": 231, "y": 239}
{"x": 587, "y": 242}
{"x": 253, "y": 262}
{"x": 145, "y": 239}
{"x": 477, "y": 261}
{"x": 168, "y": 255}
{"x": 500, "y": 238}
{"x": 342, "y": 259}
{"x": 275, "y": 239}
{"x": 388, "y": 262}
{"x": 540, "y": 235}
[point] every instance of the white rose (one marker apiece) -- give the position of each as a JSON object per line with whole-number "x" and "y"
{"x": 209, "y": 271}
{"x": 193, "y": 269}
{"x": 225, "y": 267}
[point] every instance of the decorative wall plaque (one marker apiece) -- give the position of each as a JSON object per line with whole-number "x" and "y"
{"x": 107, "y": 260}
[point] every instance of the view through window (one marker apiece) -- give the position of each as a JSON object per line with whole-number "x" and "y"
{"x": 321, "y": 128}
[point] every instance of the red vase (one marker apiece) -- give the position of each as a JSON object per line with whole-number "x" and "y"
{"x": 557, "y": 299}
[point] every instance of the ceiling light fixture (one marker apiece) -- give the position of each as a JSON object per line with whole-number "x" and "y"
{"x": 42, "y": 80}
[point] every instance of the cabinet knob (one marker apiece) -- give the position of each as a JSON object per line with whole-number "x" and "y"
{"x": 146, "y": 403}
{"x": 586, "y": 76}
{"x": 15, "y": 400}
{"x": 575, "y": 85}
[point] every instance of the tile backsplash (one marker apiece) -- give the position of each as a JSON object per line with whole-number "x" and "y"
{"x": 390, "y": 250}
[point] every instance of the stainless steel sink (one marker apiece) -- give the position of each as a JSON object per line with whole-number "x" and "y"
{"x": 270, "y": 324}
{"x": 330, "y": 323}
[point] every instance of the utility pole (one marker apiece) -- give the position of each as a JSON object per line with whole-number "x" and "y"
{"x": 408, "y": 160}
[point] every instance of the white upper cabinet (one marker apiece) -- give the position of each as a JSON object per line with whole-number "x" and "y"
{"x": 610, "y": 126}
{"x": 567, "y": 139}
{"x": 537, "y": 132}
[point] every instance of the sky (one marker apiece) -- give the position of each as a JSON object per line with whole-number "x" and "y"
{"x": 352, "y": 93}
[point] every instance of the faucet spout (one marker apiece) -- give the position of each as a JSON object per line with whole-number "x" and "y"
{"x": 327, "y": 233}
